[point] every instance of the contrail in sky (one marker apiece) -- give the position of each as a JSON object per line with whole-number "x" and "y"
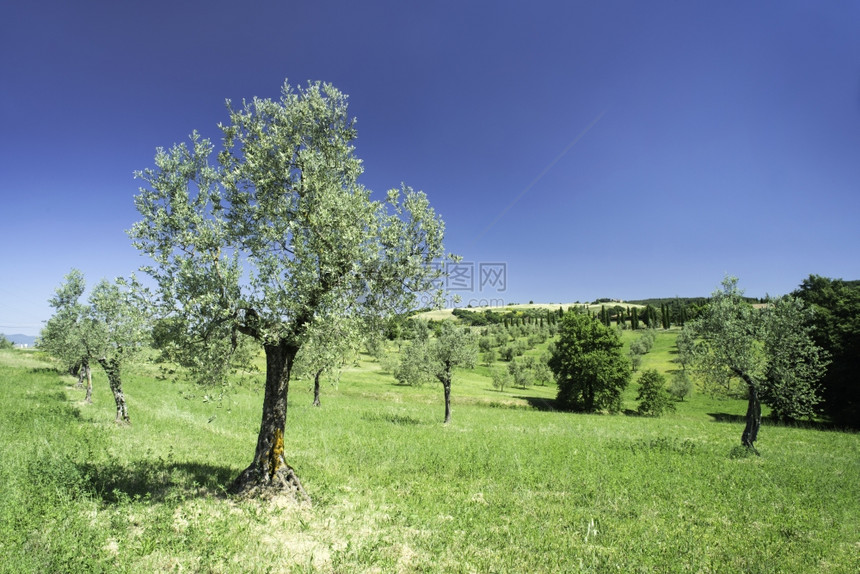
{"x": 540, "y": 175}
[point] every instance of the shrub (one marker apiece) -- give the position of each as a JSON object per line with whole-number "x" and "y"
{"x": 653, "y": 397}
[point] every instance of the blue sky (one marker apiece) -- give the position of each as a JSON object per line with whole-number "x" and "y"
{"x": 595, "y": 149}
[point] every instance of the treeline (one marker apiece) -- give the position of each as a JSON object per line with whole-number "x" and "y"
{"x": 661, "y": 313}
{"x": 510, "y": 317}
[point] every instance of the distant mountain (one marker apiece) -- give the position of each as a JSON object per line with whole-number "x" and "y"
{"x": 21, "y": 339}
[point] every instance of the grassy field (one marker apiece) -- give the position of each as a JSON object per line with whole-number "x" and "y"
{"x": 509, "y": 486}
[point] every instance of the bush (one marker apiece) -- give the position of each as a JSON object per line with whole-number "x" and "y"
{"x": 653, "y": 397}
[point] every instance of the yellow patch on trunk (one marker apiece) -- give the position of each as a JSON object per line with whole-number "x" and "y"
{"x": 276, "y": 454}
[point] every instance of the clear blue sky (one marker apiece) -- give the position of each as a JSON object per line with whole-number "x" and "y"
{"x": 597, "y": 149}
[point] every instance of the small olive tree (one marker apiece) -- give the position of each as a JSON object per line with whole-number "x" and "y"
{"x": 770, "y": 351}
{"x": 110, "y": 329}
{"x": 436, "y": 359}
{"x": 63, "y": 336}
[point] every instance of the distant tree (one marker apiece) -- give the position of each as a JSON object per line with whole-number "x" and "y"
{"x": 770, "y": 351}
{"x": 501, "y": 379}
{"x": 5, "y": 343}
{"x": 413, "y": 368}
{"x": 541, "y": 372}
{"x": 836, "y": 329}
{"x": 425, "y": 361}
{"x": 276, "y": 232}
{"x": 521, "y": 373}
{"x": 634, "y": 318}
{"x": 653, "y": 397}
{"x": 681, "y": 386}
{"x": 64, "y": 334}
{"x": 588, "y": 365}
{"x": 685, "y": 344}
{"x": 636, "y": 351}
{"x": 490, "y": 357}
{"x": 454, "y": 347}
{"x": 330, "y": 340}
{"x": 118, "y": 327}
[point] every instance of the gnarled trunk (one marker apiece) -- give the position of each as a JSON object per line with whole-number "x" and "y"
{"x": 112, "y": 370}
{"x": 753, "y": 420}
{"x": 269, "y": 472}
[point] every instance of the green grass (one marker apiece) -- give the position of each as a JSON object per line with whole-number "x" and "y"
{"x": 506, "y": 487}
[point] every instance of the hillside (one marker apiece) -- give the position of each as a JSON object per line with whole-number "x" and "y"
{"x": 19, "y": 339}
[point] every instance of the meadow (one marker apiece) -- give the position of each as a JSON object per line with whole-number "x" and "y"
{"x": 510, "y": 485}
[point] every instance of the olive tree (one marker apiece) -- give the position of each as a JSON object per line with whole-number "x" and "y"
{"x": 109, "y": 329}
{"x": 63, "y": 335}
{"x": 118, "y": 327}
{"x": 423, "y": 361}
{"x": 276, "y": 233}
{"x": 769, "y": 350}
{"x": 329, "y": 341}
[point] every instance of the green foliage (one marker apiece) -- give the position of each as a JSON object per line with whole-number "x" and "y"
{"x": 414, "y": 367}
{"x": 64, "y": 334}
{"x": 501, "y": 378}
{"x": 685, "y": 345}
{"x": 794, "y": 363}
{"x": 5, "y": 343}
{"x": 654, "y": 399}
{"x": 490, "y": 357}
{"x": 588, "y": 365}
{"x": 118, "y": 320}
{"x": 521, "y": 374}
{"x": 277, "y": 233}
{"x": 836, "y": 329}
{"x": 111, "y": 328}
{"x": 680, "y": 386}
{"x": 770, "y": 351}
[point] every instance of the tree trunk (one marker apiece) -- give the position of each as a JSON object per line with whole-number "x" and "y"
{"x": 753, "y": 420}
{"x": 446, "y": 385}
{"x": 317, "y": 388}
{"x": 89, "y": 375}
{"x": 112, "y": 370}
{"x": 78, "y": 370}
{"x": 269, "y": 473}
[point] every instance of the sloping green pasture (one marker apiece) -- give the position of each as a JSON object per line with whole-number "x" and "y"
{"x": 509, "y": 486}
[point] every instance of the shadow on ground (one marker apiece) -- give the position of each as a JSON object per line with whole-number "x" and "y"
{"x": 741, "y": 419}
{"x": 540, "y": 403}
{"x": 155, "y": 481}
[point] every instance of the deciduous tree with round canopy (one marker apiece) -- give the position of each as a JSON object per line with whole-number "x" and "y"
{"x": 588, "y": 365}
{"x": 275, "y": 235}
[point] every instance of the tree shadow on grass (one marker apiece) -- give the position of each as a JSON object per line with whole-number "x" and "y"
{"x": 155, "y": 480}
{"x": 540, "y": 403}
{"x": 741, "y": 419}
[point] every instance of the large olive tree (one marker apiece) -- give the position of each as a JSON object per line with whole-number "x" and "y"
{"x": 274, "y": 234}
